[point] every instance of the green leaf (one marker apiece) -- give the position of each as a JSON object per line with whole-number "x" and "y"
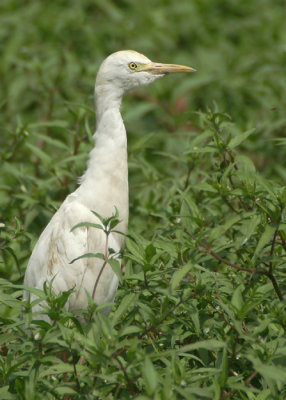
{"x": 191, "y": 203}
{"x": 129, "y": 330}
{"x": 268, "y": 371}
{"x": 54, "y": 142}
{"x": 237, "y": 299}
{"x": 89, "y": 255}
{"x": 179, "y": 275}
{"x": 248, "y": 228}
{"x": 5, "y": 393}
{"x": 218, "y": 231}
{"x": 116, "y": 267}
{"x": 101, "y": 219}
{"x": 39, "y": 153}
{"x": 150, "y": 375}
{"x": 87, "y": 225}
{"x": 206, "y": 187}
{"x": 51, "y": 124}
{"x": 265, "y": 239}
{"x": 64, "y": 390}
{"x": 204, "y": 344}
{"x": 114, "y": 222}
{"x": 60, "y": 368}
{"x": 237, "y": 140}
{"x": 267, "y": 186}
{"x": 222, "y": 378}
{"x": 127, "y": 302}
{"x": 150, "y": 252}
{"x": 135, "y": 250}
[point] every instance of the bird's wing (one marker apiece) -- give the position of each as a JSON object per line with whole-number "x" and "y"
{"x": 57, "y": 247}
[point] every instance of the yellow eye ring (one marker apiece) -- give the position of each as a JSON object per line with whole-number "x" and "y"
{"x": 132, "y": 65}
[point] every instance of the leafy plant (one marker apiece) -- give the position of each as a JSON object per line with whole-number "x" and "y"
{"x": 200, "y": 310}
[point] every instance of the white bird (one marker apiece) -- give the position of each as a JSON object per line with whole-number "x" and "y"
{"x": 103, "y": 187}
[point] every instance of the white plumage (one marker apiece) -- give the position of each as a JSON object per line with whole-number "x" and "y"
{"x": 103, "y": 187}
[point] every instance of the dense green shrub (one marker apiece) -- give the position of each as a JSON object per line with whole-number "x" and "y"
{"x": 200, "y": 312}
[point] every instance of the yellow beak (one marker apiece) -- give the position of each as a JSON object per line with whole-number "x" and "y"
{"x": 163, "y": 69}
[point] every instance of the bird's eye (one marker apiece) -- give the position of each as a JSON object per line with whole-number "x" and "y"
{"x": 132, "y": 65}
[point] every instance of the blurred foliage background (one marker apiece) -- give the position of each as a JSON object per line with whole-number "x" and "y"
{"x": 190, "y": 179}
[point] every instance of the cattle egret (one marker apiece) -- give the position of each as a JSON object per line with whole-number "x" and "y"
{"x": 103, "y": 188}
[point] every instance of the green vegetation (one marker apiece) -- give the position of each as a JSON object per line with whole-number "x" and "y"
{"x": 200, "y": 312}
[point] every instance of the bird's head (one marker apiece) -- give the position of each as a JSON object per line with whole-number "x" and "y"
{"x": 127, "y": 69}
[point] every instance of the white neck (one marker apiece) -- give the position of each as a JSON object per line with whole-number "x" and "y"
{"x": 104, "y": 185}
{"x": 109, "y": 123}
{"x": 106, "y": 97}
